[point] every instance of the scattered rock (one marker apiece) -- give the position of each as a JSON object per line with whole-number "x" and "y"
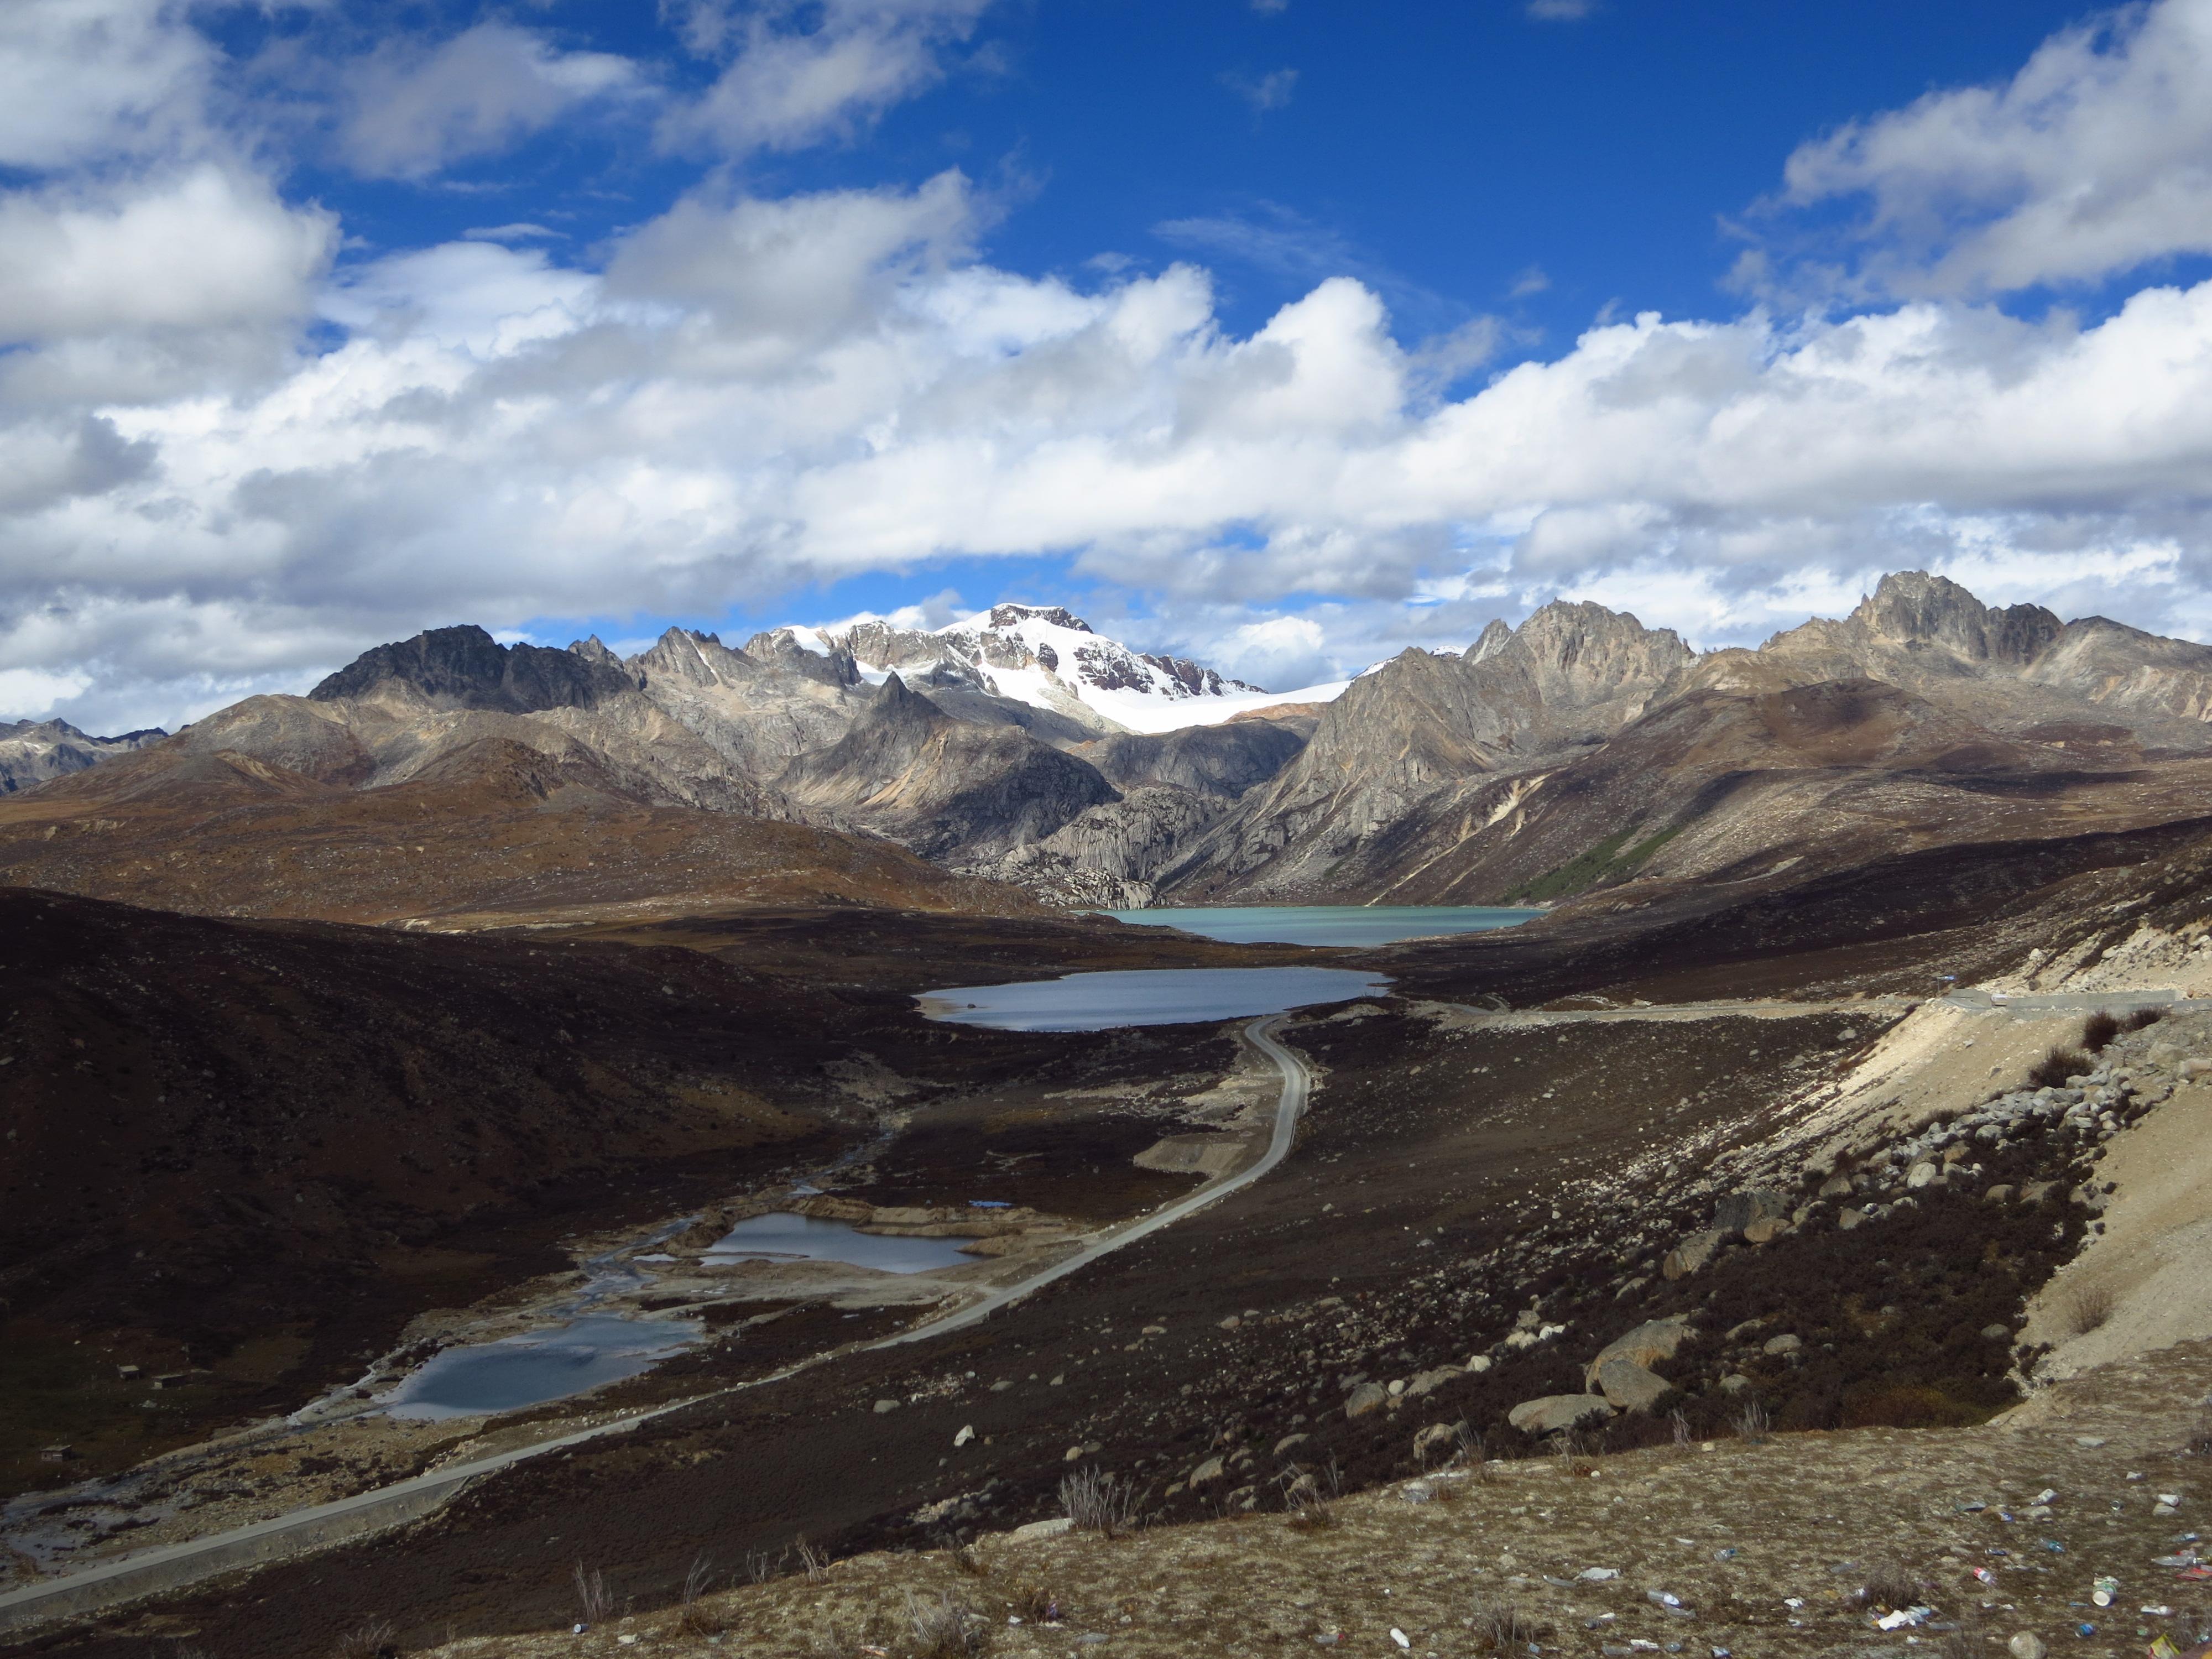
{"x": 1555, "y": 1411}
{"x": 1052, "y": 1529}
{"x": 1836, "y": 1186}
{"x": 1998, "y": 1194}
{"x": 1653, "y": 1339}
{"x": 1999, "y": 1333}
{"x": 883, "y": 1405}
{"x": 1765, "y": 1229}
{"x": 966, "y": 1433}
{"x": 1923, "y": 1173}
{"x": 1208, "y": 1471}
{"x": 1736, "y": 1211}
{"x": 1428, "y": 1382}
{"x": 1629, "y": 1386}
{"x": 2026, "y": 1645}
{"x": 1289, "y": 1441}
{"x": 1734, "y": 1382}
{"x": 1367, "y": 1397}
{"x": 1691, "y": 1253}
{"x": 1435, "y": 1437}
{"x": 1847, "y": 1219}
{"x": 1783, "y": 1344}
{"x": 1477, "y": 1364}
{"x": 1231, "y": 1323}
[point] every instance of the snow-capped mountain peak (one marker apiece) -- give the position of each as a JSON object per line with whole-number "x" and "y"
{"x": 1049, "y": 657}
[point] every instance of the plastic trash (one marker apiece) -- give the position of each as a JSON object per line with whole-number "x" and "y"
{"x": 1664, "y": 1598}
{"x": 1401, "y": 1638}
{"x": 2053, "y": 1546}
{"x": 1985, "y": 1575}
{"x": 2044, "y": 1496}
{"x": 1728, "y": 1554}
{"x": 2104, "y": 1590}
{"x": 1904, "y": 1618}
{"x": 2085, "y": 1630}
{"x": 1598, "y": 1575}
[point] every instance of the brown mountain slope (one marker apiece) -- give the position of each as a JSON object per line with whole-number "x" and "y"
{"x": 492, "y": 834}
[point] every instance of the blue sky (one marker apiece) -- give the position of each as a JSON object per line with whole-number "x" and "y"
{"x": 1284, "y": 335}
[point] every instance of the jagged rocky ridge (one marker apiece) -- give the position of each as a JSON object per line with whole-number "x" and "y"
{"x": 33, "y": 752}
{"x": 1578, "y": 752}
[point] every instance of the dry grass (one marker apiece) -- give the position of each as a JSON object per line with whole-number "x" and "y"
{"x": 1502, "y": 1627}
{"x": 1033, "y": 1604}
{"x": 814, "y": 1560}
{"x": 593, "y": 1603}
{"x": 2089, "y": 1307}
{"x": 378, "y": 1638}
{"x": 1752, "y": 1424}
{"x": 1096, "y": 1502}
{"x": 694, "y": 1616}
{"x": 1890, "y": 1586}
{"x": 942, "y": 1629}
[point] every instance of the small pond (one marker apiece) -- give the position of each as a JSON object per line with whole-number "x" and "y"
{"x": 1154, "y": 996}
{"x": 781, "y": 1236}
{"x": 530, "y": 1370}
{"x": 1328, "y": 923}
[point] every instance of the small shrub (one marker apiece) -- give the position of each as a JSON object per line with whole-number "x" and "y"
{"x": 1752, "y": 1424}
{"x": 1033, "y": 1604}
{"x": 376, "y": 1639}
{"x": 2144, "y": 1018}
{"x": 693, "y": 1617}
{"x": 965, "y": 1559}
{"x": 1889, "y": 1585}
{"x": 1501, "y": 1627}
{"x": 1680, "y": 1426}
{"x": 592, "y": 1601}
{"x": 761, "y": 1566}
{"x": 815, "y": 1560}
{"x": 2100, "y": 1028}
{"x": 942, "y": 1629}
{"x": 1096, "y": 1502}
{"x": 2055, "y": 1067}
{"x": 2089, "y": 1307}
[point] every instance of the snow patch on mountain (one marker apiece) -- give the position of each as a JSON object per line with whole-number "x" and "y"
{"x": 1044, "y": 656}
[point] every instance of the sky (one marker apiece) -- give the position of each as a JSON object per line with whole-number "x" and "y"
{"x": 1283, "y": 334}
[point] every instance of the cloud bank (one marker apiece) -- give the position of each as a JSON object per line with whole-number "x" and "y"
{"x": 229, "y": 465}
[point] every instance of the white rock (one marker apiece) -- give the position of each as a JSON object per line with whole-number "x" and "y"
{"x": 966, "y": 1433}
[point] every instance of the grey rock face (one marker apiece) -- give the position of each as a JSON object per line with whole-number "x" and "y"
{"x": 32, "y": 752}
{"x": 1629, "y": 1386}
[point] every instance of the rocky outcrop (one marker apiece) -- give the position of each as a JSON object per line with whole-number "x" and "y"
{"x": 465, "y": 667}
{"x": 31, "y": 752}
{"x": 1556, "y": 1412}
{"x": 943, "y": 786}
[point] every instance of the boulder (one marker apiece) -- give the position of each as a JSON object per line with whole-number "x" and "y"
{"x": 1847, "y": 1219}
{"x": 1653, "y": 1339}
{"x": 1426, "y": 1382}
{"x": 1923, "y": 1173}
{"x": 1209, "y": 1470}
{"x": 883, "y": 1405}
{"x": 1629, "y": 1386}
{"x": 1765, "y": 1229}
{"x": 1436, "y": 1437}
{"x": 1478, "y": 1364}
{"x": 1367, "y": 1397}
{"x": 1999, "y": 1193}
{"x": 1287, "y": 1442}
{"x": 1778, "y": 1345}
{"x": 1836, "y": 1186}
{"x": 1737, "y": 1210}
{"x": 1734, "y": 1382}
{"x": 1052, "y": 1529}
{"x": 1555, "y": 1411}
{"x": 1691, "y": 1253}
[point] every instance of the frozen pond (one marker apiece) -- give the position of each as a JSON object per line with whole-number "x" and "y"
{"x": 1153, "y": 996}
{"x": 781, "y": 1236}
{"x": 1328, "y": 923}
{"x": 528, "y": 1370}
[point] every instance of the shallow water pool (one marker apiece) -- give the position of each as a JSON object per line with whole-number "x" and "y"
{"x": 781, "y": 1236}
{"x": 1328, "y": 923}
{"x": 517, "y": 1371}
{"x": 1153, "y": 996}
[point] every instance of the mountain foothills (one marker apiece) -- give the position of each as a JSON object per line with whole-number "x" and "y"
{"x": 1018, "y": 757}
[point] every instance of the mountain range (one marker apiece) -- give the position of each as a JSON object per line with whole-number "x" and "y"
{"x": 1017, "y": 756}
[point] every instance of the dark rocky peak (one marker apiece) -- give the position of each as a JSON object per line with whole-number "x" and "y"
{"x": 1913, "y": 610}
{"x": 594, "y": 649}
{"x": 1008, "y": 616}
{"x": 465, "y": 667}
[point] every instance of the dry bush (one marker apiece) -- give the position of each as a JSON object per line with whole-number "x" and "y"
{"x": 1033, "y": 1604}
{"x": 1501, "y": 1627}
{"x": 1096, "y": 1502}
{"x": 2089, "y": 1307}
{"x": 378, "y": 1638}
{"x": 761, "y": 1566}
{"x": 1889, "y": 1585}
{"x": 693, "y": 1616}
{"x": 2055, "y": 1067}
{"x": 1678, "y": 1428}
{"x": 815, "y": 1560}
{"x": 592, "y": 1601}
{"x": 1752, "y": 1424}
{"x": 965, "y": 1559}
{"x": 2100, "y": 1028}
{"x": 942, "y": 1629}
{"x": 2144, "y": 1018}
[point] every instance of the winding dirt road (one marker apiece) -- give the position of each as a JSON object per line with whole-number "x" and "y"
{"x": 174, "y": 1566}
